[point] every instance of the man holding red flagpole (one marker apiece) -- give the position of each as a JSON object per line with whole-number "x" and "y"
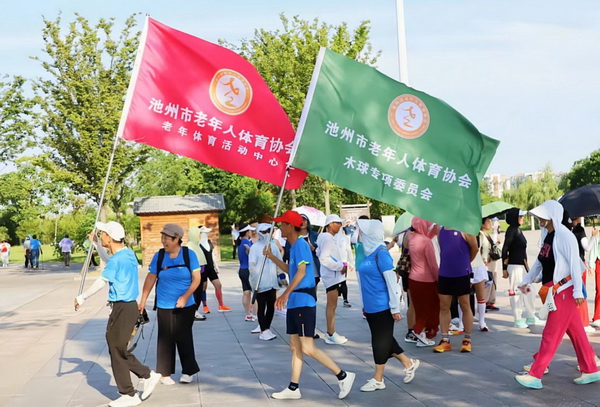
{"x": 301, "y": 299}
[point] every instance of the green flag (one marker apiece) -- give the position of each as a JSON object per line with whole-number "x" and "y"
{"x": 375, "y": 136}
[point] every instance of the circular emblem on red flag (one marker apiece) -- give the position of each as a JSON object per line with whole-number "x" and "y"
{"x": 408, "y": 116}
{"x": 230, "y": 92}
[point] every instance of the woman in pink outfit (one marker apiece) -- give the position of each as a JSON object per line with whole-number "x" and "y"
{"x": 423, "y": 278}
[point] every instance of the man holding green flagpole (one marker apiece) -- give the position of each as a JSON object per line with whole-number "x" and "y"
{"x": 368, "y": 133}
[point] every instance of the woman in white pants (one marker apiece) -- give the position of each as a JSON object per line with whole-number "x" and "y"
{"x": 515, "y": 268}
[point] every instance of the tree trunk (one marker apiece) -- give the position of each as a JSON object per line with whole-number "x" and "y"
{"x": 293, "y": 198}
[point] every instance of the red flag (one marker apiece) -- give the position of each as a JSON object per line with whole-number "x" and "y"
{"x": 203, "y": 101}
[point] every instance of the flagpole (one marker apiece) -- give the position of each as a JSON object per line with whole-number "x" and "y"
{"x": 138, "y": 59}
{"x": 401, "y": 30}
{"x": 277, "y": 206}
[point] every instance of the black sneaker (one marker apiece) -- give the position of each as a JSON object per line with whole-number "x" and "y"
{"x": 410, "y": 337}
{"x": 347, "y": 304}
{"x": 491, "y": 307}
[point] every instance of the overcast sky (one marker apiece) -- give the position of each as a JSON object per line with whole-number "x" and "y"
{"x": 524, "y": 72}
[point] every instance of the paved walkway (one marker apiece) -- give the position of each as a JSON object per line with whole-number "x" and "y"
{"x": 51, "y": 355}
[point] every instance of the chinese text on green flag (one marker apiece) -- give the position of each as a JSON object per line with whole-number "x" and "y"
{"x": 373, "y": 135}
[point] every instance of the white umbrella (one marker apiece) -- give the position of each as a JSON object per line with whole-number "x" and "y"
{"x": 315, "y": 216}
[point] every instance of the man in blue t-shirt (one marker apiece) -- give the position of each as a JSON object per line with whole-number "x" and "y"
{"x": 121, "y": 273}
{"x": 36, "y": 250}
{"x": 300, "y": 296}
{"x": 244, "y": 272}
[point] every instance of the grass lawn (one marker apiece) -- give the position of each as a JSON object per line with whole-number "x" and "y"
{"x": 17, "y": 254}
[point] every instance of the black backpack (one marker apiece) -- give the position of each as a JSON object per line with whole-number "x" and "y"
{"x": 159, "y": 267}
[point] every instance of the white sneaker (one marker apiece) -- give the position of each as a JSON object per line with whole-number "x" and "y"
{"x": 150, "y": 383}
{"x": 455, "y": 321}
{"x": 423, "y": 341}
{"x": 199, "y": 317}
{"x": 409, "y": 372}
{"x": 256, "y": 330}
{"x": 596, "y": 323}
{"x": 589, "y": 329}
{"x": 373, "y": 385}
{"x": 126, "y": 401}
{"x": 527, "y": 368}
{"x": 346, "y": 384}
{"x": 287, "y": 394}
{"x": 186, "y": 378}
{"x": 267, "y": 335}
{"x": 167, "y": 381}
{"x": 335, "y": 339}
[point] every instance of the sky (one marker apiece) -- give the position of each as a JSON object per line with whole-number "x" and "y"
{"x": 524, "y": 72}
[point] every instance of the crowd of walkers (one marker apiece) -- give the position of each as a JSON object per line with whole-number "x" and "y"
{"x": 447, "y": 277}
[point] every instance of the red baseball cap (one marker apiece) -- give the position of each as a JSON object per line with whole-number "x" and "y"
{"x": 291, "y": 217}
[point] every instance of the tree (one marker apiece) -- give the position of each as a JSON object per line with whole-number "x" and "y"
{"x": 15, "y": 119}
{"x": 286, "y": 59}
{"x": 533, "y": 193}
{"x": 81, "y": 105}
{"x": 584, "y": 172}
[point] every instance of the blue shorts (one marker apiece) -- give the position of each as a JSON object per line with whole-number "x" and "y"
{"x": 301, "y": 321}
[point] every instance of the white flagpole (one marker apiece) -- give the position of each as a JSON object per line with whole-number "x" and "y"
{"x": 86, "y": 264}
{"x": 402, "y": 58}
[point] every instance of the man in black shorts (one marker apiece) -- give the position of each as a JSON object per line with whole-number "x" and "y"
{"x": 300, "y": 297}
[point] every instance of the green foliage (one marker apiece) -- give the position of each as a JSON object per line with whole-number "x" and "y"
{"x": 286, "y": 58}
{"x": 486, "y": 197}
{"x": 4, "y": 233}
{"x": 584, "y": 172}
{"x": 533, "y": 193}
{"x": 15, "y": 119}
{"x": 81, "y": 102}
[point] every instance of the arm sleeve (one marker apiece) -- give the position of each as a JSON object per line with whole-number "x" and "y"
{"x": 431, "y": 261}
{"x": 507, "y": 242}
{"x": 101, "y": 252}
{"x": 391, "y": 281}
{"x": 328, "y": 246}
{"x": 530, "y": 277}
{"x": 93, "y": 289}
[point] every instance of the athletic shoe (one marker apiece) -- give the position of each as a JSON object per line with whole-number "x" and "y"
{"x": 455, "y": 321}
{"x": 466, "y": 346}
{"x": 346, "y": 384}
{"x": 528, "y": 380}
{"x": 248, "y": 318}
{"x": 589, "y": 329}
{"x": 410, "y": 337}
{"x": 256, "y": 330}
{"x": 454, "y": 330}
{"x": 596, "y": 358}
{"x": 150, "y": 383}
{"x": 423, "y": 341}
{"x": 224, "y": 308}
{"x": 586, "y": 378}
{"x": 126, "y": 401}
{"x": 206, "y": 309}
{"x": 186, "y": 378}
{"x": 287, "y": 394}
{"x": 596, "y": 323}
{"x": 373, "y": 385}
{"x": 409, "y": 372}
{"x": 347, "y": 304}
{"x": 444, "y": 346}
{"x": 527, "y": 368}
{"x": 484, "y": 328}
{"x": 535, "y": 321}
{"x": 492, "y": 307}
{"x": 199, "y": 317}
{"x": 167, "y": 381}
{"x": 520, "y": 323}
{"x": 335, "y": 339}
{"x": 267, "y": 335}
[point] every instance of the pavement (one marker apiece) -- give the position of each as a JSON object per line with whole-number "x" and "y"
{"x": 51, "y": 355}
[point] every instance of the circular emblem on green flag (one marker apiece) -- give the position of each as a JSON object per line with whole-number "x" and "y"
{"x": 408, "y": 116}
